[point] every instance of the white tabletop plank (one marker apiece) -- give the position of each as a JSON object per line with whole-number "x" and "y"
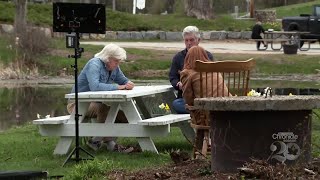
{"x": 122, "y": 94}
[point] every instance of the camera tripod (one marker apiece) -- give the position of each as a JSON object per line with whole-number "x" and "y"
{"x": 77, "y": 148}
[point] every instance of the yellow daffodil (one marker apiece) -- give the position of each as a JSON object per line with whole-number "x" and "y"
{"x": 38, "y": 116}
{"x": 48, "y": 116}
{"x": 290, "y": 94}
{"x": 167, "y": 107}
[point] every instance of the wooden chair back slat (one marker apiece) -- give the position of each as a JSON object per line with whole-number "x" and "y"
{"x": 235, "y": 75}
{"x": 201, "y": 82}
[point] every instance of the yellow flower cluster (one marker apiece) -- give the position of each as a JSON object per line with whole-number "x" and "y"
{"x": 273, "y": 25}
{"x": 164, "y": 106}
{"x": 253, "y": 93}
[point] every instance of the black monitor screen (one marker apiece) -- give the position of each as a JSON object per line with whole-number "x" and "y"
{"x": 79, "y": 17}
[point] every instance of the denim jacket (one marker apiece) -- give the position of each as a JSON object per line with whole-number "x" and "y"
{"x": 95, "y": 77}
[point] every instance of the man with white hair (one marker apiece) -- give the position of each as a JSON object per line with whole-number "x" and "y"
{"x": 191, "y": 37}
{"x": 102, "y": 73}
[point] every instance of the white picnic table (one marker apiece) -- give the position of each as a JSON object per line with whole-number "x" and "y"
{"x": 132, "y": 103}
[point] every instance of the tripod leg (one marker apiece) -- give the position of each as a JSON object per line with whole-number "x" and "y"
{"x": 77, "y": 160}
{"x": 69, "y": 156}
{"x": 87, "y": 152}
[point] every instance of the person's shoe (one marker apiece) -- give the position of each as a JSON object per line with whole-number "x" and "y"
{"x": 109, "y": 145}
{"x": 120, "y": 148}
{"x": 94, "y": 145}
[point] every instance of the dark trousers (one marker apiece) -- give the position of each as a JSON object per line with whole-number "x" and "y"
{"x": 259, "y": 42}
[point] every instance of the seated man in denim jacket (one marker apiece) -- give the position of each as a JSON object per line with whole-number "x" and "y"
{"x": 102, "y": 73}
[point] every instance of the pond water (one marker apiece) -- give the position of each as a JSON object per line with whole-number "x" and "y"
{"x": 19, "y": 105}
{"x": 22, "y": 104}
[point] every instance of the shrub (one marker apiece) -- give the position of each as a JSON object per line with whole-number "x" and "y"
{"x": 31, "y": 43}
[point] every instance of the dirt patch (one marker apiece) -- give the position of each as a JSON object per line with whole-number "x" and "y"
{"x": 200, "y": 169}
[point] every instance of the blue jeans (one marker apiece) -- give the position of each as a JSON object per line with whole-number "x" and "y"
{"x": 179, "y": 106}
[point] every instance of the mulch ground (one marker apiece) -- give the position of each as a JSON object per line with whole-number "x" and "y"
{"x": 200, "y": 169}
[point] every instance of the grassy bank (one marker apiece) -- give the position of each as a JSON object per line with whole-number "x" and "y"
{"x": 23, "y": 148}
{"x": 41, "y": 14}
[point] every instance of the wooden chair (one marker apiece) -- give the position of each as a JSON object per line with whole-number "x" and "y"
{"x": 220, "y": 78}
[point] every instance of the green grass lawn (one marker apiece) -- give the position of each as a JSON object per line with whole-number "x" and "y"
{"x": 296, "y": 9}
{"x": 23, "y": 148}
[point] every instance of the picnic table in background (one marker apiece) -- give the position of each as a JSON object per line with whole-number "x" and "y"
{"x": 285, "y": 37}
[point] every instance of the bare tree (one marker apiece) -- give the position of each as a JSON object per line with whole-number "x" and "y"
{"x": 29, "y": 41}
{"x": 20, "y": 20}
{"x": 201, "y": 9}
{"x": 113, "y": 5}
{"x": 252, "y": 8}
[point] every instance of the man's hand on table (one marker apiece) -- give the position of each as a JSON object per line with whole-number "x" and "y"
{"x": 127, "y": 86}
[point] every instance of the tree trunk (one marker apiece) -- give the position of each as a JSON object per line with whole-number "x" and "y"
{"x": 251, "y": 8}
{"x": 20, "y": 20}
{"x": 113, "y": 5}
{"x": 201, "y": 9}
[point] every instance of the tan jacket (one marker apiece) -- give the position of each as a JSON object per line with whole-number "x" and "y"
{"x": 190, "y": 80}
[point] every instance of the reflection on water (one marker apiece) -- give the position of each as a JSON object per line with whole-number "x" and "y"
{"x": 22, "y": 104}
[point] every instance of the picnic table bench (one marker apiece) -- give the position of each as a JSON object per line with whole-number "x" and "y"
{"x": 284, "y": 37}
{"x": 309, "y": 41}
{"x": 271, "y": 42}
{"x": 129, "y": 101}
{"x": 281, "y": 42}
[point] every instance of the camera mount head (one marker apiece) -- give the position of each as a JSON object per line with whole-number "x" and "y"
{"x": 79, "y": 17}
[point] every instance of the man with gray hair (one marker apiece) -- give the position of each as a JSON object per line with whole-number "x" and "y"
{"x": 102, "y": 73}
{"x": 191, "y": 37}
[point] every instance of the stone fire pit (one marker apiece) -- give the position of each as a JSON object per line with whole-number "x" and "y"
{"x": 277, "y": 129}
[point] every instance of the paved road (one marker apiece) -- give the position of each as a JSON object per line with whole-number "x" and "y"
{"x": 243, "y": 47}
